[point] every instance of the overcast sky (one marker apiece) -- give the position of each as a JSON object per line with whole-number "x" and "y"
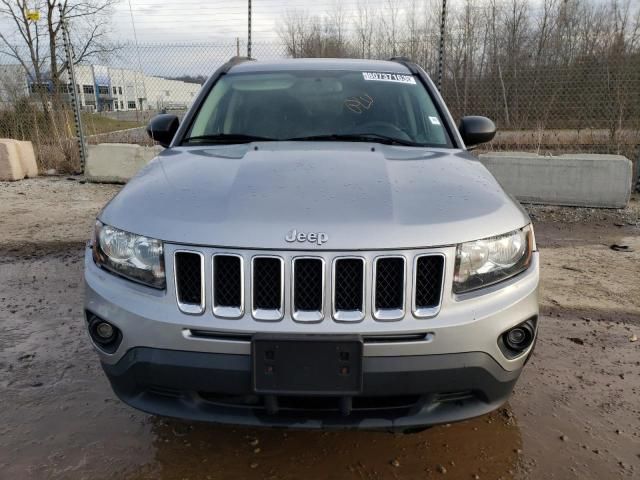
{"x": 211, "y": 20}
{"x": 216, "y": 24}
{"x": 171, "y": 21}
{"x": 207, "y": 21}
{"x": 214, "y": 20}
{"x": 188, "y": 23}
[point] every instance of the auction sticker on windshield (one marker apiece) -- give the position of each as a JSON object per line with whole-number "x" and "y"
{"x": 389, "y": 77}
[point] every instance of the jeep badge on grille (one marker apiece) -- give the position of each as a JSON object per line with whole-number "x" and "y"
{"x": 312, "y": 237}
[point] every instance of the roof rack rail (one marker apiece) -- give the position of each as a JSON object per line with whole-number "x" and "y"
{"x": 235, "y": 60}
{"x": 406, "y": 61}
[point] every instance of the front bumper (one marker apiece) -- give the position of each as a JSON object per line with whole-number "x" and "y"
{"x": 398, "y": 392}
{"x": 164, "y": 365}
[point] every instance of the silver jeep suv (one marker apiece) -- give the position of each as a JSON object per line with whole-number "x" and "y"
{"x": 315, "y": 248}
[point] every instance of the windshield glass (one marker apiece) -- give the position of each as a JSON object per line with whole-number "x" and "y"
{"x": 319, "y": 105}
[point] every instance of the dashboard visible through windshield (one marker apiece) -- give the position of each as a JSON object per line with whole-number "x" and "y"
{"x": 319, "y": 105}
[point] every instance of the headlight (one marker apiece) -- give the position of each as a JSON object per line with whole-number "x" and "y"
{"x": 491, "y": 260}
{"x": 133, "y": 256}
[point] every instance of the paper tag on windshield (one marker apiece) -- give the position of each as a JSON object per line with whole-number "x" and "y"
{"x": 389, "y": 77}
{"x": 435, "y": 120}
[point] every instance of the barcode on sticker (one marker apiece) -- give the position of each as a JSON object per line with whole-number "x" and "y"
{"x": 389, "y": 77}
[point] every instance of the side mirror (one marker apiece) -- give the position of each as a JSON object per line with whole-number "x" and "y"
{"x": 476, "y": 130}
{"x": 162, "y": 128}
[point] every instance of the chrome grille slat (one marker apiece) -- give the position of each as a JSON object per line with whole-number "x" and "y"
{"x": 307, "y": 286}
{"x": 267, "y": 286}
{"x": 428, "y": 279}
{"x": 228, "y": 285}
{"x": 189, "y": 280}
{"x": 348, "y": 289}
{"x": 389, "y": 283}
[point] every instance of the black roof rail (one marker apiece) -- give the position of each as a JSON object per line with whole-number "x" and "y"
{"x": 406, "y": 61}
{"x": 233, "y": 61}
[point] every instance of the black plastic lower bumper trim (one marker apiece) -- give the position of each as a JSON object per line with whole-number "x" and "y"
{"x": 190, "y": 385}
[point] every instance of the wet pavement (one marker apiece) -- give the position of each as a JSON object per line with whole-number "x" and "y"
{"x": 575, "y": 412}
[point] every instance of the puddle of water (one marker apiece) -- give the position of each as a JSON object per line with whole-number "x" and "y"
{"x": 476, "y": 447}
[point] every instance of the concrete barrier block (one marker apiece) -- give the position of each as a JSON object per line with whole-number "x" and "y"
{"x": 27, "y": 158}
{"x": 117, "y": 162}
{"x": 10, "y": 165}
{"x": 582, "y": 180}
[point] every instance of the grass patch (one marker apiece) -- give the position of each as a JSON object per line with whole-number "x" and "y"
{"x": 94, "y": 124}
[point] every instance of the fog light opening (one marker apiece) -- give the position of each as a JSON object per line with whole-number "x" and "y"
{"x": 517, "y": 339}
{"x": 105, "y": 335}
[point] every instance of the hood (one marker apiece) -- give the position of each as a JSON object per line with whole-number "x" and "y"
{"x": 358, "y": 195}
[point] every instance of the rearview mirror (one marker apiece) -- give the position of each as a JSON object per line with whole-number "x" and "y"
{"x": 476, "y": 130}
{"x": 162, "y": 128}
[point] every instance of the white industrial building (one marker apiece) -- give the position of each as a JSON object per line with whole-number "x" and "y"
{"x": 117, "y": 89}
{"x": 107, "y": 89}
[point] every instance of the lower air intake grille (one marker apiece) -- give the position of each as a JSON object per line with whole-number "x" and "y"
{"x": 349, "y": 284}
{"x": 227, "y": 281}
{"x": 189, "y": 281}
{"x": 308, "y": 284}
{"x": 389, "y": 283}
{"x": 267, "y": 283}
{"x": 429, "y": 269}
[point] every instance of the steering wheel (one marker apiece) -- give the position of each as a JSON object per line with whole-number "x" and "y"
{"x": 379, "y": 126}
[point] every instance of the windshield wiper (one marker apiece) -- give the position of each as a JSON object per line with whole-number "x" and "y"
{"x": 357, "y": 137}
{"x": 228, "y": 138}
{"x": 231, "y": 138}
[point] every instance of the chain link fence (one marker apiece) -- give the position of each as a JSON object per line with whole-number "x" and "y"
{"x": 588, "y": 105}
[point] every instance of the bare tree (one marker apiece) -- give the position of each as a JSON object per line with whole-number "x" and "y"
{"x": 390, "y": 23}
{"x": 290, "y": 31}
{"x": 364, "y": 25}
{"x": 336, "y": 23}
{"x": 26, "y": 46}
{"x": 36, "y": 44}
{"x": 508, "y": 59}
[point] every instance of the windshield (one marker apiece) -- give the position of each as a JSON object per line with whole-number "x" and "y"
{"x": 318, "y": 105}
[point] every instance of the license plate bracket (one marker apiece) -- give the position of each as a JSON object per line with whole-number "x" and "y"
{"x": 307, "y": 364}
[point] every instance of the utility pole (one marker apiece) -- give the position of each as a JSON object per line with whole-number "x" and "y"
{"x": 75, "y": 101}
{"x": 443, "y": 25}
{"x": 249, "y": 32}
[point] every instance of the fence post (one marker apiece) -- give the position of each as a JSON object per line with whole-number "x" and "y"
{"x": 637, "y": 165}
{"x": 249, "y": 32}
{"x": 75, "y": 103}
{"x": 443, "y": 24}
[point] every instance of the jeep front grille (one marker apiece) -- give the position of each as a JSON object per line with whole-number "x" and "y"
{"x": 310, "y": 286}
{"x": 189, "y": 278}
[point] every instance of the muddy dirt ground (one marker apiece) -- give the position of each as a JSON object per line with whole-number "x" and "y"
{"x": 575, "y": 412}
